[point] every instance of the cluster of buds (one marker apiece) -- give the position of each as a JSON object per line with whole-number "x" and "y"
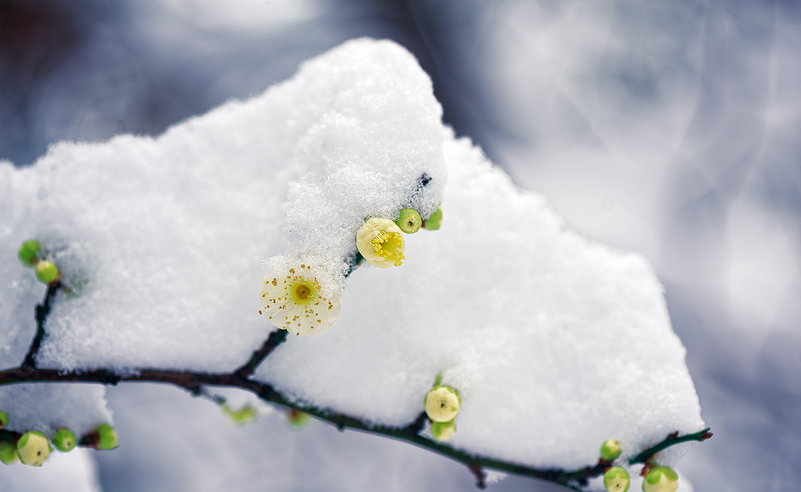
{"x": 30, "y": 254}
{"x": 616, "y": 479}
{"x": 380, "y": 240}
{"x": 442, "y": 404}
{"x": 33, "y": 448}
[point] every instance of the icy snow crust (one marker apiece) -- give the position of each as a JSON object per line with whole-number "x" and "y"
{"x": 554, "y": 342}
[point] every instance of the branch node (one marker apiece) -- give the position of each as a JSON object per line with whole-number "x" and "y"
{"x": 275, "y": 339}
{"x": 415, "y": 427}
{"x": 479, "y": 474}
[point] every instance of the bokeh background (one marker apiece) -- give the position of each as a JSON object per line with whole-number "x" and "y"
{"x": 670, "y": 127}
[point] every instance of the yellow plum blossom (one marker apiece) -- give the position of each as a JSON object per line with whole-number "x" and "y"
{"x": 293, "y": 300}
{"x": 380, "y": 241}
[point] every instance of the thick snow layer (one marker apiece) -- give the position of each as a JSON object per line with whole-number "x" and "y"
{"x": 554, "y": 342}
{"x": 165, "y": 238}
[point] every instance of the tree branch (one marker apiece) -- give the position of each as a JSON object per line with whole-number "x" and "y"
{"x": 194, "y": 382}
{"x": 42, "y": 310}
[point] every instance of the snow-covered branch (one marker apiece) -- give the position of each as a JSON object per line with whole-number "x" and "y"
{"x": 195, "y": 381}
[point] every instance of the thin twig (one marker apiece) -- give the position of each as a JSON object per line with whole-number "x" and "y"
{"x": 672, "y": 439}
{"x": 275, "y": 339}
{"x": 42, "y": 310}
{"x": 476, "y": 469}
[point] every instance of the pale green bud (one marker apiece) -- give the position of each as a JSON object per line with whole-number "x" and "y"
{"x": 442, "y": 404}
{"x": 8, "y": 453}
{"x": 434, "y": 221}
{"x": 616, "y": 479}
{"x": 33, "y": 448}
{"x": 442, "y": 431}
{"x": 660, "y": 479}
{"x": 47, "y": 272}
{"x": 64, "y": 440}
{"x": 610, "y": 450}
{"x": 3, "y": 420}
{"x": 298, "y": 419}
{"x": 28, "y": 253}
{"x": 409, "y": 220}
{"x": 245, "y": 415}
{"x": 107, "y": 437}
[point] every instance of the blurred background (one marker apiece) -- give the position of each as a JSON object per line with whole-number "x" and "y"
{"x": 669, "y": 127}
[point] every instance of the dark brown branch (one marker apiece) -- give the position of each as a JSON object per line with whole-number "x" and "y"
{"x": 275, "y": 339}
{"x": 42, "y": 310}
{"x": 672, "y": 439}
{"x": 194, "y": 381}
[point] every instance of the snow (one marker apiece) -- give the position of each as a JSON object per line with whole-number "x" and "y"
{"x": 555, "y": 342}
{"x": 74, "y": 471}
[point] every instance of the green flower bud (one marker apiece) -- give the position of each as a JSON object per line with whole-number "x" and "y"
{"x": 442, "y": 404}
{"x": 8, "y": 453}
{"x": 244, "y": 416}
{"x": 3, "y": 420}
{"x": 47, "y": 272}
{"x": 432, "y": 223}
{"x": 28, "y": 253}
{"x": 660, "y": 479}
{"x": 64, "y": 440}
{"x": 409, "y": 220}
{"x": 298, "y": 419}
{"x": 442, "y": 431}
{"x": 610, "y": 450}
{"x": 616, "y": 479}
{"x": 107, "y": 437}
{"x": 33, "y": 448}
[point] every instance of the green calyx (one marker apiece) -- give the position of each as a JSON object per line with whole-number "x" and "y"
{"x": 28, "y": 253}
{"x": 33, "y": 448}
{"x": 442, "y": 431}
{"x": 610, "y": 450}
{"x": 107, "y": 437}
{"x": 409, "y": 220}
{"x": 616, "y": 479}
{"x": 3, "y": 420}
{"x": 661, "y": 479}
{"x": 64, "y": 440}
{"x": 434, "y": 221}
{"x": 8, "y": 453}
{"x": 47, "y": 272}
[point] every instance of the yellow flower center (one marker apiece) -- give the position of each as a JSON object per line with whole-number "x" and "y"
{"x": 389, "y": 245}
{"x": 303, "y": 291}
